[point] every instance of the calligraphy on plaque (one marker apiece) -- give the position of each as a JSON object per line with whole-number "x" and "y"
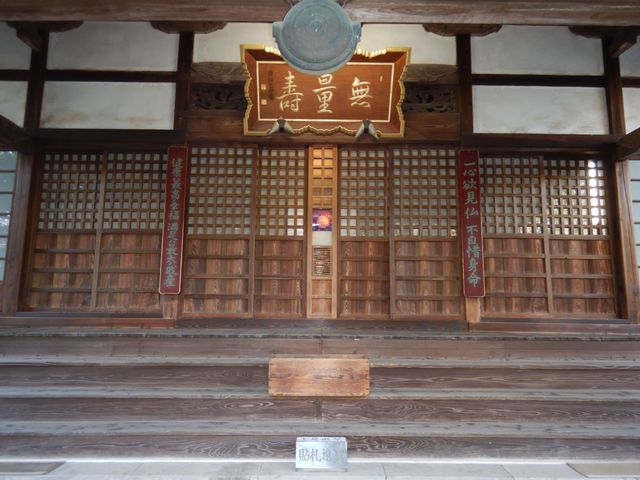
{"x": 367, "y": 88}
{"x": 470, "y": 211}
{"x": 174, "y": 216}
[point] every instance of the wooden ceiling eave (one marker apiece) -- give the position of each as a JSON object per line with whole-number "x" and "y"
{"x": 516, "y": 12}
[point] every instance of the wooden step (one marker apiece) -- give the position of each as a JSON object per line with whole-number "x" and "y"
{"x": 375, "y": 409}
{"x": 239, "y": 445}
{"x": 442, "y": 429}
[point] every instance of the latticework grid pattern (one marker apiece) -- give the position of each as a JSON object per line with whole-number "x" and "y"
{"x": 70, "y": 190}
{"x": 512, "y": 195}
{"x": 424, "y": 192}
{"x": 363, "y": 193}
{"x": 134, "y": 191}
{"x": 280, "y": 192}
{"x": 322, "y": 175}
{"x": 220, "y": 191}
{"x": 577, "y": 197}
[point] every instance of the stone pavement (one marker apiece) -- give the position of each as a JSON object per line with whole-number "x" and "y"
{"x": 205, "y": 470}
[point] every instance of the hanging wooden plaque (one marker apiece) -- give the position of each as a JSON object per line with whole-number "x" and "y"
{"x": 470, "y": 211}
{"x": 174, "y": 217}
{"x": 368, "y": 87}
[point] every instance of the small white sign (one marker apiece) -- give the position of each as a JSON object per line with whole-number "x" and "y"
{"x": 321, "y": 454}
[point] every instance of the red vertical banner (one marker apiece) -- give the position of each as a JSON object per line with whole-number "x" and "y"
{"x": 174, "y": 220}
{"x": 470, "y": 212}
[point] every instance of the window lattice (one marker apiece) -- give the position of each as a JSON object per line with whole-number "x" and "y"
{"x": 577, "y": 197}
{"x": 134, "y": 191}
{"x": 70, "y": 189}
{"x": 281, "y": 192}
{"x": 363, "y": 193}
{"x": 512, "y": 195}
{"x": 424, "y": 192}
{"x": 220, "y": 191}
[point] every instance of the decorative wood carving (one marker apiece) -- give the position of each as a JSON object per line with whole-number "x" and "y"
{"x": 194, "y": 27}
{"x": 453, "y": 29}
{"x": 532, "y": 12}
{"x": 217, "y": 97}
{"x": 431, "y": 99}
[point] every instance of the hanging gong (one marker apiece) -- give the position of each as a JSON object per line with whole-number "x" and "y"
{"x": 317, "y": 36}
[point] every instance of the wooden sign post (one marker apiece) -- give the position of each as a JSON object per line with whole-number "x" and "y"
{"x": 174, "y": 219}
{"x": 470, "y": 211}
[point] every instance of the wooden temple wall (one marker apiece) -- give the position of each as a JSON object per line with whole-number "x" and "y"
{"x": 89, "y": 219}
{"x": 548, "y": 249}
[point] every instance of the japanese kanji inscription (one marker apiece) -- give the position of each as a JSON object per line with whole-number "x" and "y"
{"x": 366, "y": 88}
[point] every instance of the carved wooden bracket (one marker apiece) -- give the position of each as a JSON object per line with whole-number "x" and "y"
{"x": 453, "y": 29}
{"x": 195, "y": 27}
{"x": 14, "y": 137}
{"x": 30, "y": 32}
{"x": 622, "y": 39}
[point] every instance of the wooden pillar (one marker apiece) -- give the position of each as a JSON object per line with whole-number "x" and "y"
{"x": 183, "y": 81}
{"x": 472, "y": 306}
{"x": 20, "y": 243}
{"x": 622, "y": 215}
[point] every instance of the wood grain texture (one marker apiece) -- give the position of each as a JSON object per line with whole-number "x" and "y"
{"x": 318, "y": 377}
{"x": 283, "y": 446}
{"x": 534, "y": 12}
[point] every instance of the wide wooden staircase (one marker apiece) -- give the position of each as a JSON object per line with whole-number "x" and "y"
{"x": 202, "y": 393}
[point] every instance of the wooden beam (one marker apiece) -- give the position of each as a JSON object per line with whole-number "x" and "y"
{"x": 517, "y": 12}
{"x": 193, "y": 27}
{"x": 13, "y": 137}
{"x": 629, "y": 145}
{"x": 453, "y": 29}
{"x": 538, "y": 80}
{"x": 538, "y": 141}
{"x": 233, "y": 72}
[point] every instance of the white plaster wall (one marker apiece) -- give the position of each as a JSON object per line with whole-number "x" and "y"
{"x": 630, "y": 62}
{"x": 632, "y": 109}
{"x": 108, "y": 105}
{"x": 425, "y": 47}
{"x": 536, "y": 50}
{"x": 13, "y": 98}
{"x": 13, "y": 53}
{"x": 224, "y": 45}
{"x": 114, "y": 46}
{"x": 540, "y": 110}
